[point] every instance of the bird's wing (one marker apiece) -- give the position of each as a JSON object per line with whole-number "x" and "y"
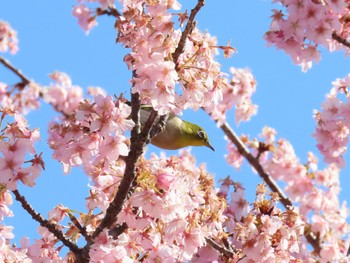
{"x": 146, "y": 111}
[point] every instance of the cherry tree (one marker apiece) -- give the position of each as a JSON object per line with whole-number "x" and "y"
{"x": 161, "y": 208}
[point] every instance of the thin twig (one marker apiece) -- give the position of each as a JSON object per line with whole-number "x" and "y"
{"x": 111, "y": 11}
{"x": 6, "y": 63}
{"x": 219, "y": 248}
{"x": 81, "y": 228}
{"x": 341, "y": 40}
{"x": 254, "y": 162}
{"x": 188, "y": 29}
{"x": 45, "y": 223}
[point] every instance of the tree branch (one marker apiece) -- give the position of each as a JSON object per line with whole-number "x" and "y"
{"x": 188, "y": 29}
{"x": 341, "y": 40}
{"x": 138, "y": 139}
{"x": 45, "y": 223}
{"x": 116, "y": 231}
{"x": 136, "y": 149}
{"x": 24, "y": 80}
{"x": 111, "y": 11}
{"x": 254, "y": 162}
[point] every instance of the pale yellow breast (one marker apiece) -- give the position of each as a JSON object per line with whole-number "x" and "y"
{"x": 169, "y": 138}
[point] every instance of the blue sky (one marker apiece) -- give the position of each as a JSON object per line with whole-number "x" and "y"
{"x": 50, "y": 39}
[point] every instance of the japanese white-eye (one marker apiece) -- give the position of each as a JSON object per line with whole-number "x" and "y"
{"x": 177, "y": 133}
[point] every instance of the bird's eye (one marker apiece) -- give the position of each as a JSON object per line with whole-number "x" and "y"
{"x": 201, "y": 134}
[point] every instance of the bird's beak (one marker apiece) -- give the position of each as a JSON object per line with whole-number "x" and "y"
{"x": 211, "y": 147}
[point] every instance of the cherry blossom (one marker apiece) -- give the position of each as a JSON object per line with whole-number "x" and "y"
{"x": 8, "y": 38}
{"x": 85, "y": 17}
{"x": 15, "y": 146}
{"x": 62, "y": 94}
{"x": 333, "y": 123}
{"x": 172, "y": 210}
{"x": 237, "y": 93}
{"x": 301, "y": 27}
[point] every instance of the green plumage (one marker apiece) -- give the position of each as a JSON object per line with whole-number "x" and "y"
{"x": 177, "y": 133}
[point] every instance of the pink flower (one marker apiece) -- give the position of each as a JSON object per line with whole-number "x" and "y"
{"x": 8, "y": 38}
{"x": 161, "y": 253}
{"x": 148, "y": 201}
{"x": 320, "y": 225}
{"x": 312, "y": 161}
{"x": 44, "y": 248}
{"x": 192, "y": 240}
{"x": 233, "y": 157}
{"x": 6, "y": 232}
{"x": 271, "y": 224}
{"x": 304, "y": 26}
{"x": 330, "y": 252}
{"x": 238, "y": 206}
{"x": 113, "y": 147}
{"x": 58, "y": 213}
{"x": 106, "y": 3}
{"x": 105, "y": 249}
{"x": 245, "y": 111}
{"x": 206, "y": 254}
{"x": 85, "y": 18}
{"x": 164, "y": 180}
{"x": 63, "y": 95}
{"x": 268, "y": 134}
{"x": 5, "y": 211}
{"x": 8, "y": 166}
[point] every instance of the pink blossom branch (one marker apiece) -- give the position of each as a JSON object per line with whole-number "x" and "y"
{"x": 136, "y": 149}
{"x": 138, "y": 141}
{"x": 45, "y": 223}
{"x": 254, "y": 162}
{"x": 24, "y": 79}
{"x": 341, "y": 40}
{"x": 188, "y": 29}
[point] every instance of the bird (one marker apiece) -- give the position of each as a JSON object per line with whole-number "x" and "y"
{"x": 177, "y": 132}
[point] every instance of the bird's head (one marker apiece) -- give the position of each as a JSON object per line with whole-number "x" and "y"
{"x": 196, "y": 135}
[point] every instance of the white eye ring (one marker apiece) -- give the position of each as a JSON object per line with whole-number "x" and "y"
{"x": 201, "y": 134}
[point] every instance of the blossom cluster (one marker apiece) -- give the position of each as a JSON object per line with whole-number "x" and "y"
{"x": 18, "y": 163}
{"x": 170, "y": 215}
{"x": 237, "y": 92}
{"x": 22, "y": 96}
{"x": 333, "y": 123}
{"x": 171, "y": 212}
{"x": 86, "y": 16}
{"x": 17, "y": 142}
{"x": 91, "y": 133}
{"x": 301, "y": 27}
{"x": 152, "y": 39}
{"x": 174, "y": 212}
{"x": 194, "y": 80}
{"x": 315, "y": 191}
{"x": 8, "y": 38}
{"x": 62, "y": 95}
{"x": 11, "y": 253}
{"x": 261, "y": 232}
